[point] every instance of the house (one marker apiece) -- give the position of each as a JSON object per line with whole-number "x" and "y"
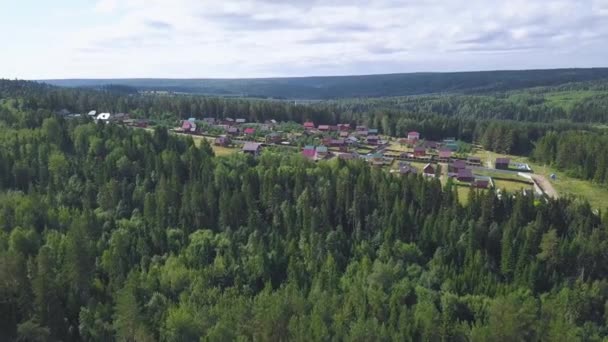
{"x": 343, "y": 127}
{"x": 324, "y": 128}
{"x": 457, "y": 165}
{"x": 229, "y": 121}
{"x": 337, "y": 143}
{"x": 308, "y": 125}
{"x": 309, "y": 152}
{"x": 376, "y": 159}
{"x": 192, "y": 119}
{"x": 252, "y": 148}
{"x": 209, "y": 120}
{"x": 465, "y": 175}
{"x": 249, "y": 131}
{"x": 347, "y": 156}
{"x": 372, "y": 131}
{"x": 433, "y": 145}
{"x": 419, "y": 151}
{"x": 120, "y": 117}
{"x": 240, "y": 121}
{"x": 372, "y": 139}
{"x": 322, "y": 151}
{"x": 445, "y": 155}
{"x": 362, "y": 133}
{"x": 481, "y": 183}
{"x": 188, "y": 126}
{"x": 406, "y": 169}
{"x": 333, "y": 128}
{"x": 234, "y": 131}
{"x": 429, "y": 170}
{"x": 273, "y": 138}
{"x": 413, "y": 136}
{"x": 222, "y": 141}
{"x": 92, "y": 113}
{"x": 474, "y": 161}
{"x": 352, "y": 140}
{"x": 361, "y": 128}
{"x": 502, "y": 163}
{"x": 344, "y": 134}
{"x": 452, "y": 146}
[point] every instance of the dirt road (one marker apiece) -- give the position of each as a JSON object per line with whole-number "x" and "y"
{"x": 546, "y": 186}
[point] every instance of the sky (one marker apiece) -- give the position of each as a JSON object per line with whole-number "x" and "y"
{"x": 273, "y": 38}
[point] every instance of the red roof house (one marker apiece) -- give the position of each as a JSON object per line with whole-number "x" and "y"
{"x": 344, "y": 127}
{"x": 309, "y": 125}
{"x": 249, "y": 131}
{"x": 309, "y": 152}
{"x": 324, "y": 128}
{"x": 419, "y": 151}
{"x": 188, "y": 126}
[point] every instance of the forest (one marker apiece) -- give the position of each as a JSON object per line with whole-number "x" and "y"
{"x": 112, "y": 233}
{"x": 365, "y": 86}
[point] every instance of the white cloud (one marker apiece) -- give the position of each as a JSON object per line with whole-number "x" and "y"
{"x": 250, "y": 38}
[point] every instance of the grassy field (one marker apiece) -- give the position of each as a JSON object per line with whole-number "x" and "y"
{"x": 567, "y": 99}
{"x": 596, "y": 195}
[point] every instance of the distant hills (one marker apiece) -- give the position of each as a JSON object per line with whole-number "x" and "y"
{"x": 334, "y": 87}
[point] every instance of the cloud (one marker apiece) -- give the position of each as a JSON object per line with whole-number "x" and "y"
{"x": 158, "y": 24}
{"x": 250, "y": 38}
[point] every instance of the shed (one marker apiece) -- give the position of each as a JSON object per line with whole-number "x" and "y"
{"x": 502, "y": 163}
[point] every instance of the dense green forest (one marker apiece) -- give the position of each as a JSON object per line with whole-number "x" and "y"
{"x": 110, "y": 233}
{"x": 331, "y": 87}
{"x": 581, "y": 154}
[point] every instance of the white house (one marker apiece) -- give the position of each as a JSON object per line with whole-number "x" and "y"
{"x": 105, "y": 117}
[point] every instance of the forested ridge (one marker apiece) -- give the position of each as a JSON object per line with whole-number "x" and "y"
{"x": 110, "y": 233}
{"x": 332, "y": 87}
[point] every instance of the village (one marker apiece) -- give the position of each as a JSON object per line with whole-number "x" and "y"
{"x": 412, "y": 154}
{"x": 445, "y": 160}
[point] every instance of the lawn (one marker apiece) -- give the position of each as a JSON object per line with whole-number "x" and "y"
{"x": 511, "y": 186}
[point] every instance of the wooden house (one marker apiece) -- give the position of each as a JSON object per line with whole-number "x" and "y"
{"x": 457, "y": 165}
{"x": 273, "y": 138}
{"x": 413, "y": 136}
{"x": 309, "y": 125}
{"x": 445, "y": 156}
{"x": 429, "y": 170}
{"x": 223, "y": 141}
{"x": 249, "y": 131}
{"x": 324, "y": 128}
{"x": 252, "y": 148}
{"x": 465, "y": 175}
{"x": 344, "y": 127}
{"x": 309, "y": 152}
{"x": 372, "y": 139}
{"x": 475, "y": 161}
{"x": 321, "y": 151}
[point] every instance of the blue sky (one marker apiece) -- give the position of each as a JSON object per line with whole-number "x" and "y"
{"x": 268, "y": 38}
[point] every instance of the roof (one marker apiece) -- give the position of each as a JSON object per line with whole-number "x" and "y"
{"x": 323, "y": 127}
{"x": 252, "y": 147}
{"x": 192, "y": 119}
{"x": 344, "y": 134}
{"x": 465, "y": 173}
{"x": 372, "y": 137}
{"x": 309, "y": 151}
{"x": 473, "y": 158}
{"x": 321, "y": 149}
{"x": 372, "y": 131}
{"x": 459, "y": 164}
{"x": 347, "y": 156}
{"x": 249, "y": 130}
{"x": 233, "y": 130}
{"x": 240, "y": 120}
{"x": 503, "y": 160}
{"x": 93, "y": 113}
{"x": 309, "y": 124}
{"x": 419, "y": 149}
{"x": 445, "y": 154}
{"x": 427, "y": 166}
{"x": 413, "y": 133}
{"x": 337, "y": 141}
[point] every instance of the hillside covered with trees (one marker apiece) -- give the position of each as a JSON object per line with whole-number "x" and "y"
{"x": 332, "y": 87}
{"x": 111, "y": 233}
